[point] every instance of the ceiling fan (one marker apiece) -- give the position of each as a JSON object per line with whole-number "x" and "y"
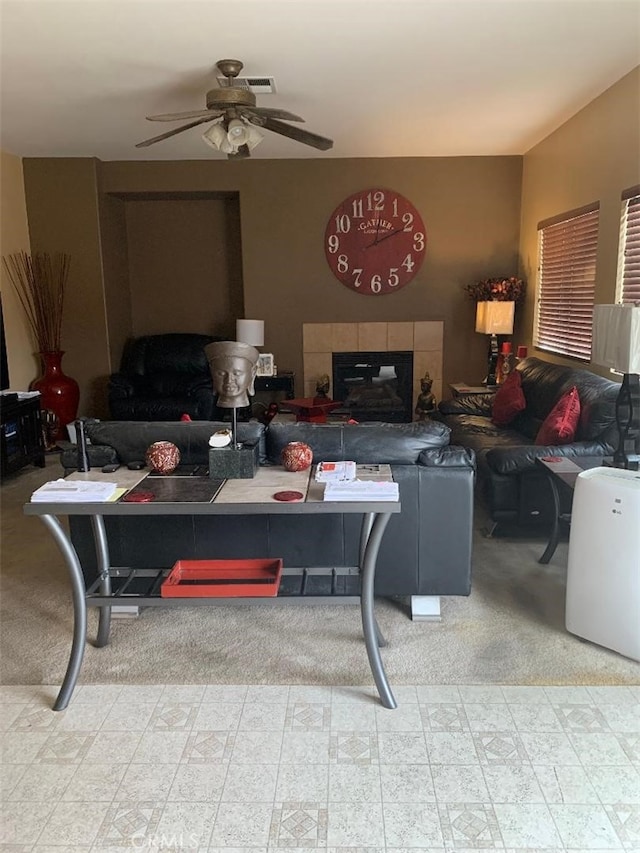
{"x": 236, "y": 118}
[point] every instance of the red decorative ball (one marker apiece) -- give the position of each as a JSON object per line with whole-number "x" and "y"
{"x": 296, "y": 456}
{"x": 163, "y": 457}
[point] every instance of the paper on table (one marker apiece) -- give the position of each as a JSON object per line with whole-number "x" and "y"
{"x": 332, "y": 472}
{"x": 117, "y": 495}
{"x": 362, "y": 490}
{"x": 74, "y": 491}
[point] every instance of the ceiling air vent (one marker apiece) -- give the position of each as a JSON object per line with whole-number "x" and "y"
{"x": 257, "y": 85}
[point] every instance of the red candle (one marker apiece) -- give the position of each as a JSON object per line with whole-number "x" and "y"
{"x": 522, "y": 352}
{"x": 506, "y": 347}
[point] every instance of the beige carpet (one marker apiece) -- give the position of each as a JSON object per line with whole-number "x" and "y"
{"x": 510, "y": 630}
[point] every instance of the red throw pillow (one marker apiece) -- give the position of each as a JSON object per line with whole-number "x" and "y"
{"x": 509, "y": 400}
{"x": 559, "y": 427}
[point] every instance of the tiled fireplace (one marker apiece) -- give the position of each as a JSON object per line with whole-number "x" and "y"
{"x": 424, "y": 339}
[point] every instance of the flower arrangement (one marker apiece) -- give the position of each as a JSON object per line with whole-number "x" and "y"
{"x": 39, "y": 281}
{"x": 497, "y": 290}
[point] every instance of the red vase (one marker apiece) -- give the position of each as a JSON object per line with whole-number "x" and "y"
{"x": 59, "y": 393}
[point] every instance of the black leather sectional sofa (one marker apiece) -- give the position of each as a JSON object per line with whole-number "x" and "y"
{"x": 426, "y": 549}
{"x": 515, "y": 490}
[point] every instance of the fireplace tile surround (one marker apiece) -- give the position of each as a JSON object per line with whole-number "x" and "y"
{"x": 423, "y": 338}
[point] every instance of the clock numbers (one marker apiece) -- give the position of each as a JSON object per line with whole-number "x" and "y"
{"x": 375, "y": 201}
{"x": 375, "y": 241}
{"x": 343, "y": 224}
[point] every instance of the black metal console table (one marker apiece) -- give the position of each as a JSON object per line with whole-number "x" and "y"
{"x": 236, "y": 497}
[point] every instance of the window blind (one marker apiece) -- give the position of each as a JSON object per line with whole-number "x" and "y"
{"x": 566, "y": 285}
{"x": 629, "y": 264}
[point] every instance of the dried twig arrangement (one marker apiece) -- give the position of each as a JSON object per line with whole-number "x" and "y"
{"x": 39, "y": 281}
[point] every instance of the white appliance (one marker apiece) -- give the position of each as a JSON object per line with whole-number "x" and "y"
{"x": 603, "y": 577}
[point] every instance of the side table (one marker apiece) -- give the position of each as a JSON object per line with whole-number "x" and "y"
{"x": 562, "y": 473}
{"x": 274, "y": 389}
{"x": 21, "y": 439}
{"x": 461, "y": 389}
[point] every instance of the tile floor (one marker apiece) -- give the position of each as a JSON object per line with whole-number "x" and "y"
{"x": 239, "y": 768}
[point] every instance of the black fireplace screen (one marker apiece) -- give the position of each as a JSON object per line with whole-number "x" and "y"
{"x": 374, "y": 386}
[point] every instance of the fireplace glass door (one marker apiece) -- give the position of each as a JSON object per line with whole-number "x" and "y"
{"x": 374, "y": 386}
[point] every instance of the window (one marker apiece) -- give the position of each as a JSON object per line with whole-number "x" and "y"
{"x": 566, "y": 282}
{"x": 628, "y": 289}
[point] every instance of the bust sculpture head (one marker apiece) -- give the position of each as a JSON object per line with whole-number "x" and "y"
{"x": 233, "y": 367}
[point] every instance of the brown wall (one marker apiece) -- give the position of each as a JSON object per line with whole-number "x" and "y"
{"x": 115, "y": 264}
{"x": 470, "y": 207}
{"x": 181, "y": 275}
{"x": 62, "y": 205}
{"x": 593, "y": 157}
{"x": 23, "y": 363}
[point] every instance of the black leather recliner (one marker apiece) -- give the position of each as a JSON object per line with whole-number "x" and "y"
{"x": 162, "y": 377}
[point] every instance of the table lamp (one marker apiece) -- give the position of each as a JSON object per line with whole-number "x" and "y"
{"x": 494, "y": 318}
{"x": 616, "y": 344}
{"x": 250, "y": 332}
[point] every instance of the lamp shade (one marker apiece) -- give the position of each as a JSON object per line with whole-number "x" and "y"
{"x": 253, "y": 137}
{"x": 495, "y": 318}
{"x": 250, "y": 332}
{"x": 238, "y": 132}
{"x": 616, "y": 337}
{"x": 215, "y": 136}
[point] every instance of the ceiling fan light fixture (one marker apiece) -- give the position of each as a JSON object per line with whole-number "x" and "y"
{"x": 237, "y": 135}
{"x": 254, "y": 137}
{"x": 238, "y": 132}
{"x": 215, "y": 136}
{"x": 242, "y": 133}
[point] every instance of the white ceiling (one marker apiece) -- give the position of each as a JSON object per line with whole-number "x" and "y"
{"x": 391, "y": 78}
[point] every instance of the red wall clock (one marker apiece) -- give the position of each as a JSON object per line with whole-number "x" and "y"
{"x": 375, "y": 241}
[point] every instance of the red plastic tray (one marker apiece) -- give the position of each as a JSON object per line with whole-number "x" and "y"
{"x": 222, "y": 579}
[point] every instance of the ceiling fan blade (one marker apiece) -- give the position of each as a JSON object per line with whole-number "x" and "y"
{"x": 179, "y": 116}
{"x": 297, "y": 133}
{"x": 173, "y": 132}
{"x": 271, "y": 112}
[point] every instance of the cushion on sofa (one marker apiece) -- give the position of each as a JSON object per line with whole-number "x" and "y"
{"x": 560, "y": 425}
{"x": 509, "y": 400}
{"x": 131, "y": 438}
{"x": 374, "y": 442}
